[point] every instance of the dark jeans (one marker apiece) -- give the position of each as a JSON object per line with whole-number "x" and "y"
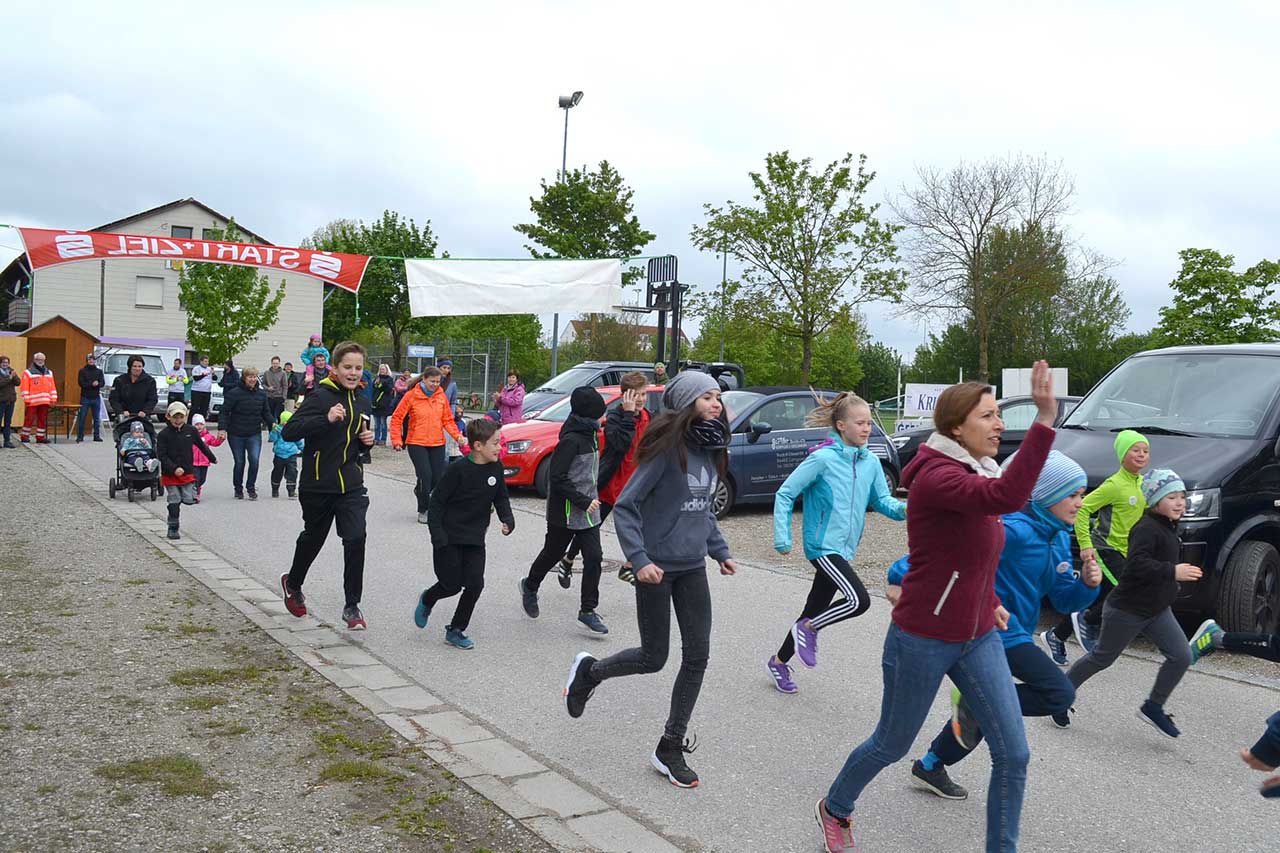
{"x": 913, "y": 669}
{"x": 834, "y": 575}
{"x": 689, "y": 595}
{"x": 88, "y": 407}
{"x": 245, "y": 448}
{"x": 276, "y": 405}
{"x": 1119, "y": 628}
{"x": 175, "y": 397}
{"x": 380, "y": 423}
{"x": 202, "y": 474}
{"x": 428, "y": 464}
{"x": 553, "y": 547}
{"x": 1265, "y": 646}
{"x": 1114, "y": 561}
{"x": 200, "y": 402}
{"x": 319, "y": 512}
{"x": 6, "y": 420}
{"x": 574, "y": 548}
{"x": 284, "y": 469}
{"x": 459, "y": 569}
{"x": 1044, "y": 690}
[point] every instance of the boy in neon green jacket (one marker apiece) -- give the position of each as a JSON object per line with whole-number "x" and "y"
{"x": 1102, "y": 529}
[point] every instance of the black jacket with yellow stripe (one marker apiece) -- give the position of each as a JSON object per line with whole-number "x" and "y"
{"x": 331, "y": 461}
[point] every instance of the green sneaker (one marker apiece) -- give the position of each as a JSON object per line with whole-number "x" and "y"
{"x": 1202, "y": 641}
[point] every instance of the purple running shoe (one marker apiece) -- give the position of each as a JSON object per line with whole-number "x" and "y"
{"x": 781, "y": 677}
{"x": 806, "y": 640}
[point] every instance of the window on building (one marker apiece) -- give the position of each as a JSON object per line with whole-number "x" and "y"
{"x": 149, "y": 292}
{"x": 183, "y": 232}
{"x": 210, "y": 233}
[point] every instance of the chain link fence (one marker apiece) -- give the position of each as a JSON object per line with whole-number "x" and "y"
{"x": 479, "y": 365}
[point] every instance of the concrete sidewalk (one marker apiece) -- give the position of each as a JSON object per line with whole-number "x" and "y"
{"x": 1108, "y": 783}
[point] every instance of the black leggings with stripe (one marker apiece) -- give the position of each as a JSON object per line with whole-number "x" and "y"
{"x": 834, "y": 575}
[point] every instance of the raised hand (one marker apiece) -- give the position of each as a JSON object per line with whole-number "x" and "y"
{"x": 1042, "y": 393}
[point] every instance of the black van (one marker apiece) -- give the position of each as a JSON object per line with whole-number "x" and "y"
{"x": 1212, "y": 414}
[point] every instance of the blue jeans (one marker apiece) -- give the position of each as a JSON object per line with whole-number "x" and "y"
{"x": 913, "y": 670}
{"x": 242, "y": 446}
{"x": 380, "y": 423}
{"x": 87, "y": 408}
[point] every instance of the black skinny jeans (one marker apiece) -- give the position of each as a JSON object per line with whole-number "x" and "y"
{"x": 459, "y": 569}
{"x": 553, "y": 546}
{"x": 428, "y": 465}
{"x": 833, "y": 575}
{"x": 574, "y": 547}
{"x": 320, "y": 511}
{"x": 690, "y": 596}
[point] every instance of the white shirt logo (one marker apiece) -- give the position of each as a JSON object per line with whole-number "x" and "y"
{"x": 1133, "y": 501}
{"x": 493, "y": 481}
{"x": 1063, "y": 568}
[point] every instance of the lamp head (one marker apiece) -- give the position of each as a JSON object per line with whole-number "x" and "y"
{"x": 567, "y": 101}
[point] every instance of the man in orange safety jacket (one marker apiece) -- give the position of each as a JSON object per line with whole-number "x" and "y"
{"x": 38, "y": 393}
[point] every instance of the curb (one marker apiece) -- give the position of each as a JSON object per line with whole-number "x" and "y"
{"x": 548, "y": 801}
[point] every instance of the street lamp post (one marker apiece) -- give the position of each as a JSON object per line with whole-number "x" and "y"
{"x": 724, "y": 316}
{"x": 567, "y": 102}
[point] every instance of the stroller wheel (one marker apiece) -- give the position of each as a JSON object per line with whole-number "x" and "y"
{"x": 111, "y": 488}
{"x": 129, "y": 493}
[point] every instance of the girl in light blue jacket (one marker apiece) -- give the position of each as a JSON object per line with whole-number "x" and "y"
{"x": 840, "y": 480}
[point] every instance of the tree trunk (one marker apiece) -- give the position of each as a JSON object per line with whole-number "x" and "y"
{"x": 983, "y": 324}
{"x": 806, "y": 362}
{"x": 397, "y": 334}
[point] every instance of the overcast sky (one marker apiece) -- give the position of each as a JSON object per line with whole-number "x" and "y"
{"x": 290, "y": 115}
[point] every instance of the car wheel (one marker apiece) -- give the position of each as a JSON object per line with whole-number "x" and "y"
{"x": 1249, "y": 596}
{"x": 111, "y": 488}
{"x": 891, "y": 477}
{"x": 542, "y": 478}
{"x": 722, "y": 500}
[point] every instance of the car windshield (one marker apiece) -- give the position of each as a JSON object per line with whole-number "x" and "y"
{"x": 570, "y": 379}
{"x": 736, "y": 402}
{"x": 120, "y": 364}
{"x": 1227, "y": 395}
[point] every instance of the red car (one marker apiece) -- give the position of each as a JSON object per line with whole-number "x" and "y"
{"x": 529, "y": 444}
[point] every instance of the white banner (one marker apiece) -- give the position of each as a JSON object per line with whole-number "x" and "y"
{"x": 921, "y": 399}
{"x": 453, "y": 287}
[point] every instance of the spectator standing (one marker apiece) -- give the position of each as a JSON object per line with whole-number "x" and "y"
{"x": 91, "y": 380}
{"x": 175, "y": 383}
{"x": 450, "y": 389}
{"x": 39, "y": 392}
{"x": 510, "y": 400}
{"x": 10, "y": 380}
{"x": 384, "y": 403}
{"x": 201, "y": 388}
{"x": 276, "y": 383}
{"x": 245, "y": 413}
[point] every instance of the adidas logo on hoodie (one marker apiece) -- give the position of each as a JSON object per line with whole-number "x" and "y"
{"x": 702, "y": 487}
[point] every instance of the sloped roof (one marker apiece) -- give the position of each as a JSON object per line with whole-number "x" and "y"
{"x": 119, "y": 222}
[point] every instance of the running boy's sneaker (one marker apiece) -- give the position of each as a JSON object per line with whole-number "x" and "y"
{"x": 1057, "y": 648}
{"x": 1271, "y": 787}
{"x": 1154, "y": 715}
{"x": 937, "y": 781}
{"x": 593, "y": 621}
{"x": 580, "y": 686}
{"x": 294, "y": 601}
{"x": 528, "y": 600}
{"x": 963, "y": 724}
{"x": 781, "y": 676}
{"x": 1202, "y": 640}
{"x": 806, "y": 640}
{"x": 668, "y": 759}
{"x": 422, "y": 612}
{"x": 454, "y": 637}
{"x": 837, "y": 832}
{"x": 564, "y": 572}
{"x": 1085, "y": 633}
{"x": 1062, "y": 719}
{"x": 355, "y": 619}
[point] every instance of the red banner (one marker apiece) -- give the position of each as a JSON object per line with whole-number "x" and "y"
{"x": 46, "y": 248}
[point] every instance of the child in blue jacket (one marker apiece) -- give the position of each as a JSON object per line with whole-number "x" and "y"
{"x": 1035, "y": 563}
{"x": 284, "y": 465}
{"x": 840, "y": 480}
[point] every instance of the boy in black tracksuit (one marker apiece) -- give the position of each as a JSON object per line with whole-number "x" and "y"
{"x": 573, "y": 507}
{"x": 458, "y": 516}
{"x": 334, "y": 419}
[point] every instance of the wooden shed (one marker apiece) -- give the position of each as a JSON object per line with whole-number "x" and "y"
{"x": 65, "y": 346}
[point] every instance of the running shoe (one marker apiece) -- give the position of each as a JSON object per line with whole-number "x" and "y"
{"x": 456, "y": 638}
{"x": 1057, "y": 648}
{"x": 1062, "y": 719}
{"x": 564, "y": 572}
{"x": 422, "y": 612}
{"x": 668, "y": 759}
{"x": 837, "y": 832}
{"x": 528, "y": 600}
{"x": 593, "y": 621}
{"x": 579, "y": 687}
{"x": 355, "y": 619}
{"x": 781, "y": 676}
{"x": 1085, "y": 633}
{"x": 963, "y": 724}
{"x": 1271, "y": 787}
{"x": 1154, "y": 715}
{"x": 937, "y": 781}
{"x": 806, "y": 640}
{"x": 1202, "y": 640}
{"x": 253, "y": 495}
{"x": 294, "y": 601}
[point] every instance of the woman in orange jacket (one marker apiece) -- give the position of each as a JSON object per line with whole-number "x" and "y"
{"x": 430, "y": 417}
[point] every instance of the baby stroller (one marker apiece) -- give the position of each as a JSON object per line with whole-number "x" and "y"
{"x": 128, "y": 478}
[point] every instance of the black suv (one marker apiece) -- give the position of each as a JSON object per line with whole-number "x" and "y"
{"x": 597, "y": 374}
{"x": 1212, "y": 414}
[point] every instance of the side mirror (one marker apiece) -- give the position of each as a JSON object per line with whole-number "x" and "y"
{"x": 757, "y": 430}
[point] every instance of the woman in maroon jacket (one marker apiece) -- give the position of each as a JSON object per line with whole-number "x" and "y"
{"x": 946, "y": 619}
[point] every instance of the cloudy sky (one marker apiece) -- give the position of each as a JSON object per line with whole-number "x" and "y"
{"x": 290, "y": 115}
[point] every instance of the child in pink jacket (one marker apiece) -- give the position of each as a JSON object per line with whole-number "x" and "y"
{"x": 198, "y": 460}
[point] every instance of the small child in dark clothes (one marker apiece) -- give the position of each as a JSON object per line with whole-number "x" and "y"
{"x": 458, "y": 516}
{"x": 176, "y": 448}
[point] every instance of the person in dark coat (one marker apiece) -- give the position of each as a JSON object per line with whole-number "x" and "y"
{"x": 134, "y": 392}
{"x": 91, "y": 380}
{"x": 10, "y": 379}
{"x": 245, "y": 414}
{"x": 384, "y": 403}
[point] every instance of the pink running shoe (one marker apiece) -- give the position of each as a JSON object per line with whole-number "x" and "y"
{"x": 837, "y": 834}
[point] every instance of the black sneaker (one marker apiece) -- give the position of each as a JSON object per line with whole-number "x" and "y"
{"x": 593, "y": 621}
{"x": 937, "y": 781}
{"x": 173, "y": 531}
{"x": 275, "y": 491}
{"x": 354, "y": 618}
{"x": 1154, "y": 715}
{"x": 1062, "y": 719}
{"x": 564, "y": 572}
{"x": 668, "y": 759}
{"x": 239, "y": 495}
{"x": 580, "y": 686}
{"x": 528, "y": 600}
{"x": 253, "y": 496}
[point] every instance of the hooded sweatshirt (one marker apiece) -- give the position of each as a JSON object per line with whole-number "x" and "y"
{"x": 955, "y": 534}
{"x": 573, "y": 475}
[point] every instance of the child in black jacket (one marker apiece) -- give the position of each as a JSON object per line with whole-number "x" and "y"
{"x": 458, "y": 516}
{"x": 174, "y": 446}
{"x": 573, "y": 507}
{"x": 1142, "y": 602}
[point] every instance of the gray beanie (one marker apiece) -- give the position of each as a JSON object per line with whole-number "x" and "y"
{"x": 687, "y": 387}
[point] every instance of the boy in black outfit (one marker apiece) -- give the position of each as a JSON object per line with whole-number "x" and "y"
{"x": 573, "y": 507}
{"x": 458, "y": 516}
{"x": 177, "y": 470}
{"x": 334, "y": 420}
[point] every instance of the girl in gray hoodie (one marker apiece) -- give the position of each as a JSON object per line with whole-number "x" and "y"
{"x": 666, "y": 527}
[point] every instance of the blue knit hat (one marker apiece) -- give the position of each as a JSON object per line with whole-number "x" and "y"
{"x": 1159, "y": 483}
{"x": 1060, "y": 477}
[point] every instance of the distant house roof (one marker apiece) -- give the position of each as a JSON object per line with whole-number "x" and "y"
{"x": 580, "y": 326}
{"x": 120, "y": 222}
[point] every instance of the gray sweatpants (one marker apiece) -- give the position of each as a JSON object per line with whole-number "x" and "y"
{"x": 1119, "y": 628}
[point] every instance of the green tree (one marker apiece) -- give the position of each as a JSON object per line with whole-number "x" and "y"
{"x": 880, "y": 365}
{"x": 1213, "y": 304}
{"x": 941, "y": 357}
{"x": 604, "y": 337}
{"x": 227, "y": 306}
{"x": 810, "y": 246}
{"x": 523, "y": 332}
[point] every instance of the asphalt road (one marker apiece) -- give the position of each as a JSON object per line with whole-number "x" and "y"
{"x": 1109, "y": 783}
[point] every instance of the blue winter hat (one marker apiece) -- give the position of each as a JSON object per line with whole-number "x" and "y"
{"x": 1060, "y": 477}
{"x": 1160, "y": 483}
